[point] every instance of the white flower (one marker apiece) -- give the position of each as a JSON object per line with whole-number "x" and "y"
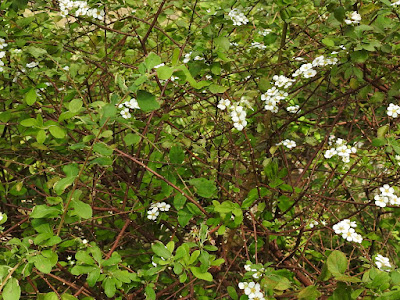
{"x": 330, "y": 152}
{"x": 243, "y": 285}
{"x": 31, "y": 64}
{"x": 125, "y": 113}
{"x": 69, "y": 257}
{"x": 394, "y": 200}
{"x": 247, "y": 268}
{"x": 393, "y": 110}
{"x": 173, "y": 78}
{"x": 66, "y": 68}
{"x": 355, "y": 18}
{"x": 306, "y": 67}
{"x": 251, "y": 289}
{"x": 313, "y": 223}
{"x": 133, "y": 104}
{"x": 160, "y": 65}
{"x": 396, "y": 3}
{"x": 293, "y": 109}
{"x": 153, "y": 213}
{"x": 258, "y": 45}
{"x": 381, "y": 201}
{"x": 349, "y": 234}
{"x": 162, "y": 206}
{"x": 309, "y": 73}
{"x": 186, "y": 58}
{"x": 198, "y": 58}
{"x": 357, "y": 238}
{"x": 382, "y": 262}
{"x": 237, "y": 17}
{"x": 223, "y": 104}
{"x": 84, "y": 241}
{"x": 341, "y": 228}
{"x": 265, "y": 32}
{"x": 387, "y": 190}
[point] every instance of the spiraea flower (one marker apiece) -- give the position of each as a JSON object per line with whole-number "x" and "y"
{"x": 354, "y": 18}
{"x": 382, "y": 263}
{"x": 237, "y": 16}
{"x": 393, "y": 110}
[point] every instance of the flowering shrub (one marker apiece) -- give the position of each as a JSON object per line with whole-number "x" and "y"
{"x": 199, "y": 149}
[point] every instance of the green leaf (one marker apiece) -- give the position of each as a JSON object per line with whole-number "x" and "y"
{"x": 44, "y": 211}
{"x": 204, "y": 276}
{"x": 109, "y": 110}
{"x": 378, "y": 142}
{"x": 30, "y": 122}
{"x": 75, "y": 105}
{"x": 147, "y": 102}
{"x": 337, "y": 263}
{"x": 36, "y": 52}
{"x": 232, "y": 293}
{"x": 328, "y": 42}
{"x": 82, "y": 209}
{"x": 184, "y": 217}
{"x": 132, "y": 139}
{"x": 30, "y": 96}
{"x": 204, "y": 187}
{"x": 176, "y": 155}
{"x": 339, "y": 14}
{"x": 12, "y": 290}
{"x": 222, "y": 43}
{"x": 109, "y": 286}
{"x": 359, "y": 56}
{"x": 309, "y": 293}
{"x": 164, "y": 72}
{"x": 68, "y": 297}
{"x": 150, "y": 293}
{"x": 41, "y": 136}
{"x": 57, "y": 132}
{"x": 102, "y": 149}
{"x": 50, "y": 296}
{"x": 152, "y": 60}
{"x": 162, "y": 251}
{"x": 217, "y": 89}
{"x": 42, "y": 263}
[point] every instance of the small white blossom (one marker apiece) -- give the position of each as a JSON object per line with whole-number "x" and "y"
{"x": 125, "y": 113}
{"x": 355, "y": 18}
{"x": 393, "y": 110}
{"x": 237, "y": 16}
{"x": 382, "y": 262}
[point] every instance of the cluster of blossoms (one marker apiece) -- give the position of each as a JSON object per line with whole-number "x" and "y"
{"x": 340, "y": 148}
{"x": 393, "y": 110}
{"x": 187, "y": 56}
{"x": 70, "y": 261}
{"x": 287, "y": 143}
{"x": 272, "y": 98}
{"x": 307, "y": 70}
{"x": 265, "y": 32}
{"x": 252, "y": 290}
{"x": 257, "y": 272}
{"x": 237, "y": 16}
{"x": 236, "y": 111}
{"x": 293, "y": 109}
{"x": 3, "y": 44}
{"x": 82, "y": 9}
{"x": 355, "y": 18}
{"x": 386, "y": 196}
{"x": 382, "y": 262}
{"x": 126, "y": 106}
{"x": 346, "y": 229}
{"x": 155, "y": 209}
{"x": 258, "y": 45}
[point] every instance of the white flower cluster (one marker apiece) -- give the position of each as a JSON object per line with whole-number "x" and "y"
{"x": 355, "y": 18}
{"x": 32, "y": 64}
{"x": 287, "y": 143}
{"x": 386, "y": 196}
{"x": 82, "y": 9}
{"x": 393, "y": 110}
{"x": 307, "y": 70}
{"x": 257, "y": 272}
{"x": 237, "y": 16}
{"x": 382, "y": 262}
{"x": 340, "y": 148}
{"x": 258, "y": 45}
{"x": 252, "y": 290}
{"x": 155, "y": 209}
{"x": 265, "y": 32}
{"x": 272, "y": 98}
{"x": 346, "y": 229}
{"x": 315, "y": 223}
{"x": 293, "y": 109}
{"x": 282, "y": 81}
{"x": 126, "y": 106}
{"x": 237, "y": 113}
{"x": 3, "y": 43}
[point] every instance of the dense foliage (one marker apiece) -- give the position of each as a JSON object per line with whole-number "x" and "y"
{"x": 199, "y": 149}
